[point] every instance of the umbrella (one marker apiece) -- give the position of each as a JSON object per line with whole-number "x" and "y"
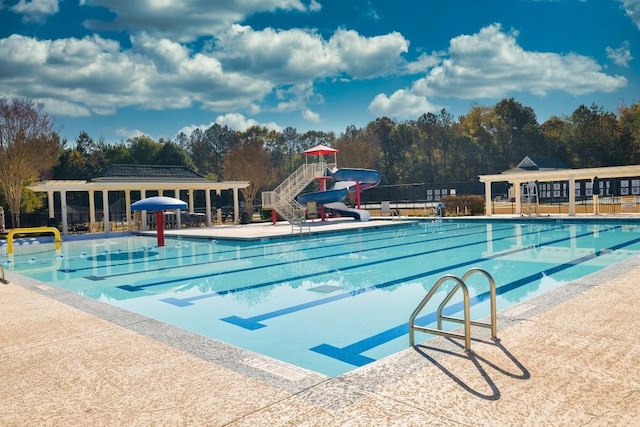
{"x": 159, "y": 204}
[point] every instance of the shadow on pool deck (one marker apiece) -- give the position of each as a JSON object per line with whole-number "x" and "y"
{"x": 567, "y": 357}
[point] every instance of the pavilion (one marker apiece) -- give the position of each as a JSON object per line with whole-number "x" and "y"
{"x": 522, "y": 176}
{"x": 142, "y": 179}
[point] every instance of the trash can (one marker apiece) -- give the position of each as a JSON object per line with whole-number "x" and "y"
{"x": 245, "y": 218}
{"x": 440, "y": 209}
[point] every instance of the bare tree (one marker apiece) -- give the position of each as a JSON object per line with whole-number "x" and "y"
{"x": 29, "y": 148}
{"x": 249, "y": 161}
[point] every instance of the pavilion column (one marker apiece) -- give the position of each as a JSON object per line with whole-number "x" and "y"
{"x": 191, "y": 206}
{"x": 127, "y": 202}
{"x": 488, "y": 206}
{"x": 207, "y": 205}
{"x": 63, "y": 203}
{"x": 236, "y": 206}
{"x": 52, "y": 204}
{"x": 572, "y": 197}
{"x": 176, "y": 193}
{"x": 517, "y": 189}
{"x": 218, "y": 209}
{"x": 143, "y": 214}
{"x": 92, "y": 210}
{"x": 105, "y": 210}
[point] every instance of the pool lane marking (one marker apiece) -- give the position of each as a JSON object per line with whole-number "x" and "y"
{"x": 135, "y": 288}
{"x": 257, "y": 246}
{"x": 253, "y": 323}
{"x": 352, "y": 353}
{"x": 183, "y": 302}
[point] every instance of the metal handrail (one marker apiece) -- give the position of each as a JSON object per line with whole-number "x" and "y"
{"x": 466, "y": 321}
{"x": 282, "y": 198}
{"x": 33, "y": 230}
{"x": 492, "y": 291}
{"x": 2, "y": 279}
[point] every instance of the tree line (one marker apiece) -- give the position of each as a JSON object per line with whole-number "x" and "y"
{"x": 435, "y": 147}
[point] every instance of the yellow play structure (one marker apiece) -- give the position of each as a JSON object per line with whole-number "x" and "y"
{"x": 33, "y": 230}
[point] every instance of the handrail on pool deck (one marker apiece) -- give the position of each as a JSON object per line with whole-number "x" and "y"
{"x": 466, "y": 321}
{"x": 2, "y": 278}
{"x": 33, "y": 230}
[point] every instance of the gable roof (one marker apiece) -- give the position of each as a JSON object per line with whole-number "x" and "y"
{"x": 147, "y": 173}
{"x": 535, "y": 163}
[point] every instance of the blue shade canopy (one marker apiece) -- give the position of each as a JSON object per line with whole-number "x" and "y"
{"x": 158, "y": 203}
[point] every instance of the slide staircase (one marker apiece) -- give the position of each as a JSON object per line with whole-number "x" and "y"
{"x": 283, "y": 198}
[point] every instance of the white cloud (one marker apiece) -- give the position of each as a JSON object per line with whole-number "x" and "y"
{"x": 35, "y": 10}
{"x": 424, "y": 62}
{"x": 632, "y": 8}
{"x": 314, "y": 6}
{"x": 401, "y": 104}
{"x": 367, "y": 57}
{"x": 95, "y": 74}
{"x": 185, "y": 20}
{"x": 621, "y": 56}
{"x": 237, "y": 121}
{"x": 490, "y": 64}
{"x": 312, "y": 116}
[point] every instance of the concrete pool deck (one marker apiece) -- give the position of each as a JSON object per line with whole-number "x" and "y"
{"x": 568, "y": 357}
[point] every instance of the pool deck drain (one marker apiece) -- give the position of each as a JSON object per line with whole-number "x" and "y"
{"x": 567, "y": 357}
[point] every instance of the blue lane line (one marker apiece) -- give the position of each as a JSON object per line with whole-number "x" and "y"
{"x": 134, "y": 288}
{"x": 352, "y": 353}
{"x": 183, "y": 302}
{"x": 232, "y": 251}
{"x": 253, "y": 323}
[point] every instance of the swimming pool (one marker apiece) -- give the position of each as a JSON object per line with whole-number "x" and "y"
{"x": 327, "y": 302}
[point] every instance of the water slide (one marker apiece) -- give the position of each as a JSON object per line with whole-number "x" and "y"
{"x": 346, "y": 180}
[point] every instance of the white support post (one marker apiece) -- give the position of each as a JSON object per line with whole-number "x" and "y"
{"x": 105, "y": 210}
{"x": 63, "y": 203}
{"x": 127, "y": 201}
{"x": 218, "y": 210}
{"x": 92, "y": 210}
{"x": 517, "y": 189}
{"x": 207, "y": 204}
{"x": 176, "y": 193}
{"x": 572, "y": 197}
{"x": 52, "y": 204}
{"x": 488, "y": 206}
{"x": 143, "y": 214}
{"x": 236, "y": 206}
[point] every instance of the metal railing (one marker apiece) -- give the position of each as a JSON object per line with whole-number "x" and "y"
{"x": 2, "y": 277}
{"x": 33, "y": 230}
{"x": 282, "y": 198}
{"x": 466, "y": 321}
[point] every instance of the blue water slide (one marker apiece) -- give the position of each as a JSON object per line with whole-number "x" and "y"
{"x": 346, "y": 180}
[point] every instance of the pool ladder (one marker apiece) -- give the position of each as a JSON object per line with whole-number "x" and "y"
{"x": 2, "y": 278}
{"x": 466, "y": 321}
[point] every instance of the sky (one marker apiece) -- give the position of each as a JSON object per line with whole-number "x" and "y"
{"x": 118, "y": 69}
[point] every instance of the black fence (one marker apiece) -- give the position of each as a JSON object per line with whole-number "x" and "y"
{"x": 420, "y": 192}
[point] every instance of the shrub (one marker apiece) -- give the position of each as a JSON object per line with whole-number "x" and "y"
{"x": 458, "y": 205}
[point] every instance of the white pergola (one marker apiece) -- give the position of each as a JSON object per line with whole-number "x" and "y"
{"x": 135, "y": 184}
{"x": 571, "y": 175}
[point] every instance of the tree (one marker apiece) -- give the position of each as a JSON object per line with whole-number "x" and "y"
{"x": 630, "y": 132}
{"x": 355, "y": 151}
{"x": 29, "y": 148}
{"x": 144, "y": 149}
{"x": 249, "y": 161}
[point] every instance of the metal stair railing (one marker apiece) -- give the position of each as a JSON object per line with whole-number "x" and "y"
{"x": 466, "y": 321}
{"x": 282, "y": 199}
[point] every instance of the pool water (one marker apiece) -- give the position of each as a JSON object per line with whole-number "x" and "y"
{"x": 326, "y": 302}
